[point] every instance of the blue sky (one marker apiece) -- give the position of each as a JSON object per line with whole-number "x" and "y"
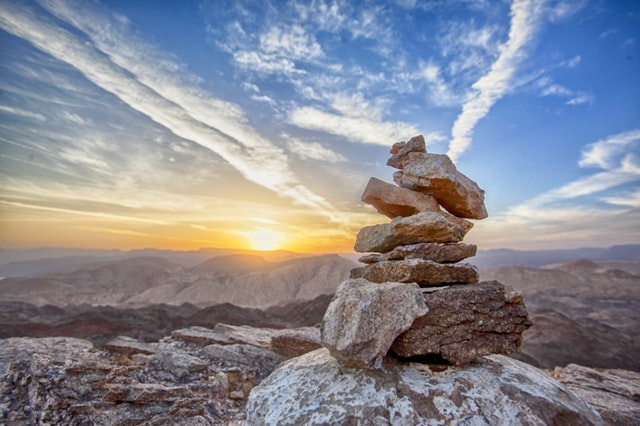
{"x": 229, "y": 123}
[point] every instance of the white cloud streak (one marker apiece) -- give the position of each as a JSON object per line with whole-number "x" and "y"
{"x": 141, "y": 77}
{"x": 570, "y": 214}
{"x": 356, "y": 129}
{"x": 312, "y": 150}
{"x": 525, "y": 15}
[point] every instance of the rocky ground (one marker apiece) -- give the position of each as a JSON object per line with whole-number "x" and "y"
{"x": 201, "y": 376}
{"x": 195, "y": 376}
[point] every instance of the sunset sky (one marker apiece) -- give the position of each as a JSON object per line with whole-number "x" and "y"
{"x": 256, "y": 124}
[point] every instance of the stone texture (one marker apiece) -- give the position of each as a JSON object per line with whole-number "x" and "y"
{"x": 614, "y": 393}
{"x": 293, "y": 343}
{"x": 423, "y": 272}
{"x": 392, "y": 201}
{"x": 400, "y": 150}
{"x": 258, "y": 361}
{"x": 66, "y": 381}
{"x": 129, "y": 346}
{"x": 202, "y": 336}
{"x": 428, "y": 227}
{"x": 436, "y": 175}
{"x": 364, "y": 319}
{"x": 315, "y": 389}
{"x": 466, "y": 322}
{"x": 441, "y": 253}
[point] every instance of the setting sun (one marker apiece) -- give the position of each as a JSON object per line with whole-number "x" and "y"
{"x": 264, "y": 239}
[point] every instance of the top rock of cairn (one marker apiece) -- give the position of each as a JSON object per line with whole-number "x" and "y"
{"x": 413, "y": 297}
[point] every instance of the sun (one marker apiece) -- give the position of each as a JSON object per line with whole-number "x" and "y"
{"x": 264, "y": 239}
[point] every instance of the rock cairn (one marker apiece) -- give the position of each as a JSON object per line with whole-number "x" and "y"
{"x": 414, "y": 297}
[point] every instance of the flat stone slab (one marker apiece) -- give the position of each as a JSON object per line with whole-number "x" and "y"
{"x": 436, "y": 175}
{"x": 202, "y": 336}
{"x": 441, "y": 253}
{"x": 466, "y": 322}
{"x": 423, "y": 272}
{"x": 126, "y": 345}
{"x": 364, "y": 319}
{"x": 392, "y": 200}
{"x": 427, "y": 227}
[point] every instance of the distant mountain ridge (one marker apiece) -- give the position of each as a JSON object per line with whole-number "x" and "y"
{"x": 495, "y": 258}
{"x": 241, "y": 279}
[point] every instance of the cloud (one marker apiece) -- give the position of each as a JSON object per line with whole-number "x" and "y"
{"x": 22, "y": 113}
{"x": 312, "y": 150}
{"x": 145, "y": 79}
{"x": 290, "y": 41}
{"x": 606, "y": 153}
{"x": 356, "y": 129}
{"x": 549, "y": 88}
{"x": 525, "y": 17}
{"x": 573, "y": 213}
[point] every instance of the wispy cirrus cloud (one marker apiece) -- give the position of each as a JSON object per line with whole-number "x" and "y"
{"x": 140, "y": 76}
{"x": 356, "y": 129}
{"x": 525, "y": 19}
{"x": 567, "y": 214}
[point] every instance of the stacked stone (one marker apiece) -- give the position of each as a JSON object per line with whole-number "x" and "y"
{"x": 414, "y": 297}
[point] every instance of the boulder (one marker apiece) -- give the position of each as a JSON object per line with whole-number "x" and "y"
{"x": 392, "y": 201}
{"x": 436, "y": 175}
{"x": 426, "y": 227}
{"x": 400, "y": 150}
{"x": 441, "y": 253}
{"x": 364, "y": 319}
{"x": 315, "y": 389}
{"x": 613, "y": 392}
{"x": 465, "y": 322}
{"x": 423, "y": 272}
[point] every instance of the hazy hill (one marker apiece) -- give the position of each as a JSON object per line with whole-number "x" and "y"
{"x": 585, "y": 312}
{"x": 244, "y": 280}
{"x": 489, "y": 259}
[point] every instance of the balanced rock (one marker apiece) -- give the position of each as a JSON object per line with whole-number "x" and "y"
{"x": 423, "y": 272}
{"x": 436, "y": 175}
{"x": 425, "y": 227}
{"x": 315, "y": 389}
{"x": 465, "y": 322}
{"x": 391, "y": 200}
{"x": 400, "y": 150}
{"x": 441, "y": 253}
{"x": 364, "y": 319}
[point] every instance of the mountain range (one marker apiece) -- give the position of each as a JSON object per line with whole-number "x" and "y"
{"x": 586, "y": 311}
{"x": 241, "y": 279}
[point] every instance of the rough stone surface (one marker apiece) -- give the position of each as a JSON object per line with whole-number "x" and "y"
{"x": 423, "y": 272}
{"x": 129, "y": 346}
{"x": 400, "y": 150}
{"x": 196, "y": 376}
{"x": 364, "y": 319}
{"x": 441, "y": 253}
{"x": 392, "y": 201}
{"x": 66, "y": 381}
{"x": 202, "y": 336}
{"x": 436, "y": 175}
{"x": 315, "y": 389}
{"x": 428, "y": 227}
{"x": 466, "y": 322}
{"x": 614, "y": 393}
{"x": 293, "y": 343}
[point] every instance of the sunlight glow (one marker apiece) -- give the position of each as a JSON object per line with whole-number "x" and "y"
{"x": 264, "y": 239}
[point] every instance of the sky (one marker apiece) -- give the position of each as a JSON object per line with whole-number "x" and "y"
{"x": 257, "y": 124}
